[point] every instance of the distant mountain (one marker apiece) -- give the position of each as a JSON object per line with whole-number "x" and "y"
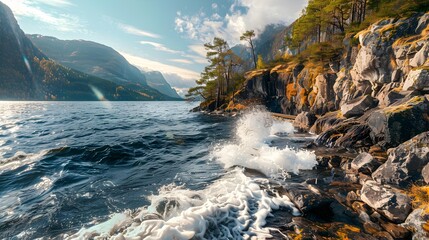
{"x": 101, "y": 61}
{"x": 271, "y": 41}
{"x": 28, "y": 74}
{"x": 157, "y": 81}
{"x": 269, "y": 44}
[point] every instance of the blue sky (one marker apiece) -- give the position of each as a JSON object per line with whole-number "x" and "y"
{"x": 162, "y": 35}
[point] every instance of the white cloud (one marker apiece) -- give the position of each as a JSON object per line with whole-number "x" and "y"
{"x": 244, "y": 15}
{"x": 160, "y": 47}
{"x": 56, "y": 3}
{"x": 180, "y": 60}
{"x": 185, "y": 75}
{"x": 198, "y": 49}
{"x": 136, "y": 31}
{"x": 214, "y": 6}
{"x": 58, "y": 21}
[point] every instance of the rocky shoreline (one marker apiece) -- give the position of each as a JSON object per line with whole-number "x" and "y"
{"x": 370, "y": 111}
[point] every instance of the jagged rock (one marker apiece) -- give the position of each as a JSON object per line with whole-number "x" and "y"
{"x": 425, "y": 173}
{"x": 383, "y": 236}
{"x": 358, "y": 106}
{"x": 343, "y": 89}
{"x": 365, "y": 163}
{"x": 397, "y": 231}
{"x": 399, "y": 122}
{"x": 415, "y": 222}
{"x": 388, "y": 201}
{"x": 306, "y": 197}
{"x": 304, "y": 121}
{"x": 348, "y": 134}
{"x": 405, "y": 163}
{"x": 388, "y": 94}
{"x": 325, "y": 96}
{"x": 417, "y": 80}
{"x": 420, "y": 57}
{"x": 326, "y": 122}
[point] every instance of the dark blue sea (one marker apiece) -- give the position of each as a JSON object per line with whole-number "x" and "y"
{"x": 140, "y": 170}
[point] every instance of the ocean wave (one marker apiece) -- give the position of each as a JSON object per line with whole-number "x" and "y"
{"x": 234, "y": 207}
{"x": 252, "y": 149}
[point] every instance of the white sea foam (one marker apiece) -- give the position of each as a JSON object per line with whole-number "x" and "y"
{"x": 251, "y": 149}
{"x": 20, "y": 159}
{"x": 233, "y": 207}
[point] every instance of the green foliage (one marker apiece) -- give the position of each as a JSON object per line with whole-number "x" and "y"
{"x": 248, "y": 36}
{"x": 218, "y": 78}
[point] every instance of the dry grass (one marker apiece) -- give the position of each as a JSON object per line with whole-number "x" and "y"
{"x": 406, "y": 106}
{"x": 420, "y": 196}
{"x": 343, "y": 232}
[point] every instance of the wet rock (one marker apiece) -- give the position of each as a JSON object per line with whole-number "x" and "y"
{"x": 348, "y": 134}
{"x": 397, "y": 231}
{"x": 304, "y": 121}
{"x": 388, "y": 201}
{"x": 301, "y": 228}
{"x": 327, "y": 121}
{"x": 399, "y": 122}
{"x": 417, "y": 80}
{"x": 383, "y": 236}
{"x": 307, "y": 197}
{"x": 351, "y": 197}
{"x": 365, "y": 163}
{"x": 358, "y": 106}
{"x": 415, "y": 222}
{"x": 405, "y": 163}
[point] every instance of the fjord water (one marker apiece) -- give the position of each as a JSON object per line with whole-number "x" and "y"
{"x": 151, "y": 170}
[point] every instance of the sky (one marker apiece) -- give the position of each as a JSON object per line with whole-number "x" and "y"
{"x": 160, "y": 35}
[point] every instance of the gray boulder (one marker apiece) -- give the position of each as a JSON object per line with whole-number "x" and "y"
{"x": 417, "y": 80}
{"x": 399, "y": 122}
{"x": 307, "y": 197}
{"x": 414, "y": 223}
{"x": 304, "y": 121}
{"x": 405, "y": 163}
{"x": 420, "y": 57}
{"x": 358, "y": 106}
{"x": 386, "y": 200}
{"x": 365, "y": 163}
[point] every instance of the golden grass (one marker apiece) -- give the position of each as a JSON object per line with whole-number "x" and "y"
{"x": 343, "y": 232}
{"x": 420, "y": 196}
{"x": 406, "y": 106}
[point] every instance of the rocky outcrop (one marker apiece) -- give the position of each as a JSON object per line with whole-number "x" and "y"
{"x": 357, "y": 107}
{"x": 401, "y": 121}
{"x": 405, "y": 163}
{"x": 304, "y": 121}
{"x": 416, "y": 222}
{"x": 307, "y": 197}
{"x": 417, "y": 80}
{"x": 388, "y": 201}
{"x": 365, "y": 163}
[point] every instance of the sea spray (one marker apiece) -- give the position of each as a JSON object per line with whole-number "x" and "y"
{"x": 252, "y": 149}
{"x": 235, "y": 206}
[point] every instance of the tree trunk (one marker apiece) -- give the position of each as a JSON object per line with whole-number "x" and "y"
{"x": 253, "y": 52}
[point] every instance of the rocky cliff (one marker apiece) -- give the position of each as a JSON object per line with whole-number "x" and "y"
{"x": 380, "y": 81}
{"x": 372, "y": 100}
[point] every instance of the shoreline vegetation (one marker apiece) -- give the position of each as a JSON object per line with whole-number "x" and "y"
{"x": 356, "y": 74}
